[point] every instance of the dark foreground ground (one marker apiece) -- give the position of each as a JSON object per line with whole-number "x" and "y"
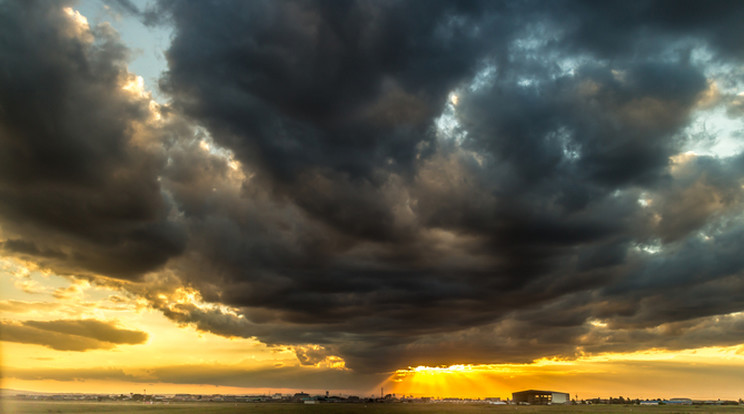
{"x": 22, "y": 407}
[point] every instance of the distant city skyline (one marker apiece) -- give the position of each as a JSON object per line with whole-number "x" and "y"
{"x": 327, "y": 396}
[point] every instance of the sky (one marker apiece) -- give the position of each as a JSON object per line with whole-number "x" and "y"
{"x": 446, "y": 199}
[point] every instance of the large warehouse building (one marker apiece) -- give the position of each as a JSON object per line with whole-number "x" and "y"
{"x": 541, "y": 397}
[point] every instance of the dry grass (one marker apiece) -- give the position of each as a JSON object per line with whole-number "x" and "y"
{"x": 47, "y": 407}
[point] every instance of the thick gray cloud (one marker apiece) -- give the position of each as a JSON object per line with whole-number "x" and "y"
{"x": 340, "y": 87}
{"x": 78, "y": 189}
{"x": 399, "y": 183}
{"x": 71, "y": 335}
{"x": 615, "y": 29}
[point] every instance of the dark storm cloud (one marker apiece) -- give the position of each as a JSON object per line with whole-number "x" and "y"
{"x": 393, "y": 182}
{"x": 617, "y": 28}
{"x": 71, "y": 335}
{"x": 76, "y": 190}
{"x": 536, "y": 208}
{"x": 345, "y": 87}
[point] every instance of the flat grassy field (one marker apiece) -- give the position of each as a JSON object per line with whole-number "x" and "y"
{"x": 34, "y": 407}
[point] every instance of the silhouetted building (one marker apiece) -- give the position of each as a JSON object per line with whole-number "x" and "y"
{"x": 679, "y": 401}
{"x": 301, "y": 396}
{"x": 536, "y": 397}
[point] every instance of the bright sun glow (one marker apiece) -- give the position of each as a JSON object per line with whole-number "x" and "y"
{"x": 576, "y": 376}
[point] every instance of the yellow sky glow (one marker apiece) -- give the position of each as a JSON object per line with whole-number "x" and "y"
{"x": 29, "y": 294}
{"x": 694, "y": 373}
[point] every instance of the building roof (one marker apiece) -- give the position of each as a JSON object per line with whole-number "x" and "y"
{"x": 539, "y": 392}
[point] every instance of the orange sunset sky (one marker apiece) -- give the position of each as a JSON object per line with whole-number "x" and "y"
{"x": 182, "y": 359}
